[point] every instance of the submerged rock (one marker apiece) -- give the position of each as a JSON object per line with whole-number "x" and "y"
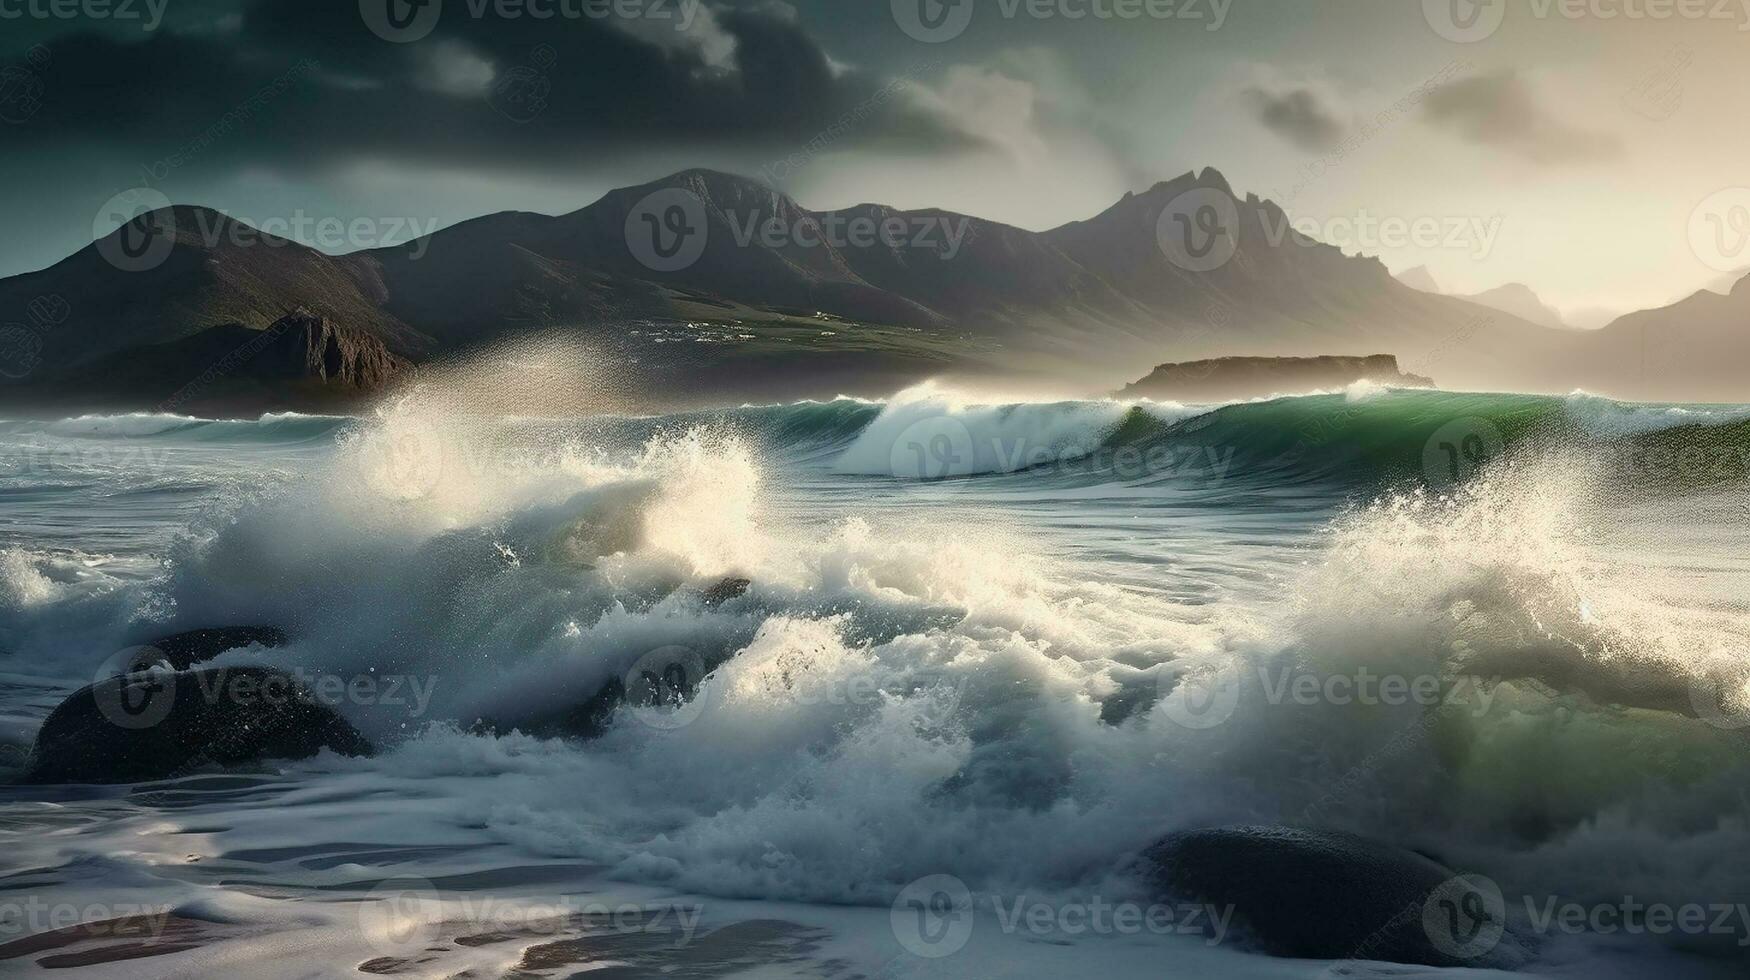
{"x": 666, "y": 679}
{"x": 729, "y": 588}
{"x": 183, "y": 650}
{"x": 156, "y": 724}
{"x": 1336, "y": 896}
{"x": 585, "y": 720}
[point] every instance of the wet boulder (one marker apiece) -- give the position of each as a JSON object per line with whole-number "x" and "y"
{"x": 724, "y": 591}
{"x": 184, "y": 650}
{"x": 159, "y": 723}
{"x": 666, "y": 679}
{"x": 1328, "y": 895}
{"x": 587, "y": 719}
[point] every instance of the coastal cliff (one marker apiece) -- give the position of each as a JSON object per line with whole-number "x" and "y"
{"x": 1223, "y": 378}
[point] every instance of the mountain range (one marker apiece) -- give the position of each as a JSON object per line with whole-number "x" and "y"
{"x": 705, "y": 286}
{"x": 1515, "y": 298}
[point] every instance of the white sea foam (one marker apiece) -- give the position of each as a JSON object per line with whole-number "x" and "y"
{"x": 1610, "y": 418}
{"x": 930, "y": 432}
{"x": 905, "y": 692}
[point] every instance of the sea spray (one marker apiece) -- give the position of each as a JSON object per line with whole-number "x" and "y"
{"x": 981, "y": 679}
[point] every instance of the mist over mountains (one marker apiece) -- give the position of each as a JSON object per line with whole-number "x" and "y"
{"x": 716, "y": 286}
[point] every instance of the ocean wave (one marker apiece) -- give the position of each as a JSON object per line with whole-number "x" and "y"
{"x": 1608, "y": 418}
{"x": 148, "y": 425}
{"x": 906, "y": 692}
{"x": 1368, "y": 435}
{"x": 930, "y": 432}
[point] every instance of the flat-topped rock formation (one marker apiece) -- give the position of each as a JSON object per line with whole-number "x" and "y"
{"x": 1223, "y": 378}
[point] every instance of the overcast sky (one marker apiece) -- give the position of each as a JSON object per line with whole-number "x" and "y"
{"x": 1597, "y": 158}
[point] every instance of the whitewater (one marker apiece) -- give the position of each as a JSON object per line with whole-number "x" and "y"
{"x": 999, "y": 644}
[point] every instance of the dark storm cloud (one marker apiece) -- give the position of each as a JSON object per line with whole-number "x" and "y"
{"x": 1298, "y": 116}
{"x": 1501, "y": 111}
{"x": 487, "y": 92}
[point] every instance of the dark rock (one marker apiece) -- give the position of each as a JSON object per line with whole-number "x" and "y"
{"x": 308, "y": 345}
{"x": 183, "y": 650}
{"x": 1223, "y": 378}
{"x": 589, "y": 719}
{"x": 158, "y": 724}
{"x": 302, "y": 360}
{"x": 1329, "y": 895}
{"x": 1118, "y": 707}
{"x": 667, "y": 677}
{"x": 729, "y": 588}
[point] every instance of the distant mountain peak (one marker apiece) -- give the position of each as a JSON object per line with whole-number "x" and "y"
{"x": 694, "y": 176}
{"x": 1211, "y": 177}
{"x": 187, "y": 226}
{"x": 725, "y": 191}
{"x": 1519, "y": 299}
{"x": 1166, "y": 188}
{"x": 1517, "y": 289}
{"x": 1109, "y": 285}
{"x": 1419, "y": 278}
{"x": 1189, "y": 180}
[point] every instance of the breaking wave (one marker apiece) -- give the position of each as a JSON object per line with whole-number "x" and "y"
{"x": 907, "y": 689}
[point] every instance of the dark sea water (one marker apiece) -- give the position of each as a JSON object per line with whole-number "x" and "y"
{"x": 993, "y": 648}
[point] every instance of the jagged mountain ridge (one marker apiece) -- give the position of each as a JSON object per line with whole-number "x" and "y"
{"x": 1699, "y": 345}
{"x": 1085, "y": 301}
{"x": 1420, "y": 279}
{"x": 1519, "y": 300}
{"x": 216, "y": 271}
{"x": 303, "y": 361}
{"x": 1103, "y": 283}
